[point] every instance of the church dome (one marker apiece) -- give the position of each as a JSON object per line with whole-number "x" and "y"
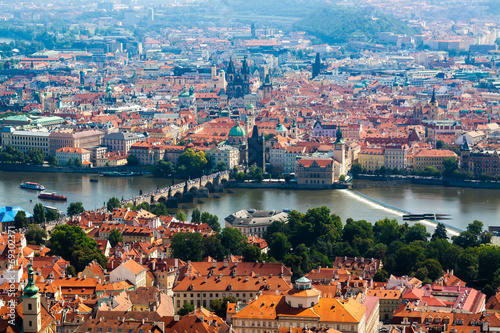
{"x": 237, "y": 130}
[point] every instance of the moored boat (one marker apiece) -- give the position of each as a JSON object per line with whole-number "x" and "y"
{"x": 32, "y": 186}
{"x": 52, "y": 196}
{"x": 120, "y": 174}
{"x": 94, "y": 180}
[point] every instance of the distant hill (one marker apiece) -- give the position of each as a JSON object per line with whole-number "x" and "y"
{"x": 336, "y": 24}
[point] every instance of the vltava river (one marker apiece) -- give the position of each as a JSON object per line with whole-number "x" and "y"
{"x": 463, "y": 205}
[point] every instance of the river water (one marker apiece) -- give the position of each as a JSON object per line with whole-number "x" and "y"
{"x": 462, "y": 204}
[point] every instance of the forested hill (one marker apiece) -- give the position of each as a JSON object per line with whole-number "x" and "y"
{"x": 337, "y": 24}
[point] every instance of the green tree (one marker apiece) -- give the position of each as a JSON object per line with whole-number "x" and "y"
{"x": 193, "y": 163}
{"x": 145, "y": 206}
{"x": 381, "y": 276}
{"x": 342, "y": 178}
{"x": 428, "y": 270}
{"x": 416, "y": 232}
{"x": 219, "y": 305}
{"x": 52, "y": 159}
{"x": 386, "y": 231}
{"x": 72, "y": 244}
{"x": 180, "y": 216}
{"x": 221, "y": 166}
{"x": 232, "y": 240}
{"x": 36, "y": 156}
{"x": 20, "y": 220}
{"x": 361, "y": 229}
{"x": 163, "y": 169}
{"x": 78, "y": 162}
{"x": 450, "y": 164}
{"x": 211, "y": 220}
{"x": 75, "y": 208}
{"x": 187, "y": 308}
{"x": 196, "y": 216}
{"x": 113, "y": 203}
{"x": 255, "y": 173}
{"x": 132, "y": 160}
{"x": 115, "y": 237}
{"x": 278, "y": 245}
{"x": 187, "y": 246}
{"x": 213, "y": 247}
{"x": 71, "y": 271}
{"x": 35, "y": 235}
{"x": 39, "y": 213}
{"x": 70, "y": 163}
{"x": 251, "y": 253}
{"x": 440, "y": 232}
{"x": 356, "y": 169}
{"x": 52, "y": 215}
{"x": 160, "y": 209}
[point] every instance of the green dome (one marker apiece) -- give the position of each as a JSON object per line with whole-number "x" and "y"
{"x": 237, "y": 130}
{"x": 31, "y": 289}
{"x": 358, "y": 86}
{"x": 184, "y": 94}
{"x": 250, "y": 107}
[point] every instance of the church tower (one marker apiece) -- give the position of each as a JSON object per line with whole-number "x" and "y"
{"x": 316, "y": 67}
{"x": 464, "y": 154}
{"x": 339, "y": 152}
{"x": 293, "y": 130}
{"x": 31, "y": 306}
{"x": 267, "y": 87}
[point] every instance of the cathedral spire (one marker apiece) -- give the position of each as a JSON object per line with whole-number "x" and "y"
{"x": 433, "y": 98}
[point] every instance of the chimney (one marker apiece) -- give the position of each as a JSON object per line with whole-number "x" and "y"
{"x": 176, "y": 317}
{"x": 319, "y": 269}
{"x": 277, "y": 292}
{"x": 214, "y": 263}
{"x": 143, "y": 321}
{"x": 154, "y": 265}
{"x": 201, "y": 317}
{"x": 246, "y": 278}
{"x": 225, "y": 263}
{"x": 176, "y": 263}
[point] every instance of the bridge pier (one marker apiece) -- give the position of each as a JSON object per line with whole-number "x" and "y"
{"x": 172, "y": 202}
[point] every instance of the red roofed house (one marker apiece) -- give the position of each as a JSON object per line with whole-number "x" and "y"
{"x": 315, "y": 172}
{"x": 66, "y": 153}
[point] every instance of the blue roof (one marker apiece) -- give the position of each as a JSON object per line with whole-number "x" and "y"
{"x": 7, "y": 213}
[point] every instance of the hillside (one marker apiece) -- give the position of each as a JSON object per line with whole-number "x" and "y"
{"x": 338, "y": 24}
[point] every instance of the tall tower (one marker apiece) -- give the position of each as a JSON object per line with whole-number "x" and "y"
{"x": 465, "y": 155}
{"x": 293, "y": 130}
{"x": 339, "y": 152}
{"x": 256, "y": 149}
{"x": 31, "y": 306}
{"x": 316, "y": 68}
{"x": 252, "y": 28}
{"x": 267, "y": 87}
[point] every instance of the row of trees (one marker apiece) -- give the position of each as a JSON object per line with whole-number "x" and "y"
{"x": 450, "y": 170}
{"x": 8, "y": 154}
{"x": 193, "y": 246}
{"x": 189, "y": 165}
{"x": 404, "y": 249}
{"x": 39, "y": 216}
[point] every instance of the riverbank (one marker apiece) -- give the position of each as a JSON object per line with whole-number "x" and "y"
{"x": 19, "y": 167}
{"x": 487, "y": 184}
{"x": 284, "y": 186}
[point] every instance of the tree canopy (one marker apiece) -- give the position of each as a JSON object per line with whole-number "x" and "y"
{"x": 72, "y": 243}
